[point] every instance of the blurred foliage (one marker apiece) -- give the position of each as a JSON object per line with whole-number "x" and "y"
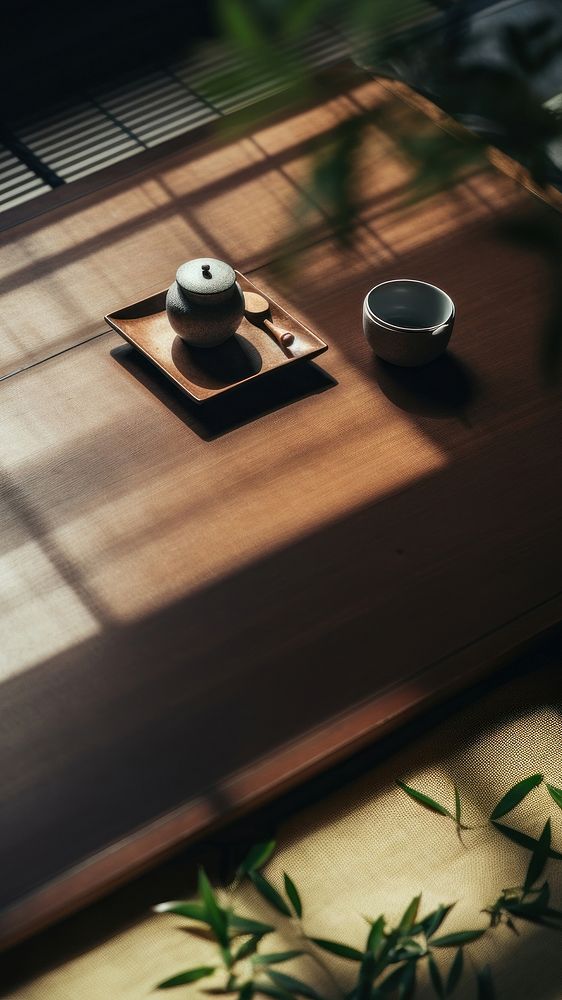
{"x": 420, "y": 41}
{"x": 423, "y": 39}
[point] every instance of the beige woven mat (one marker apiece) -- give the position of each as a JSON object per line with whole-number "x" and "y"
{"x": 368, "y": 849}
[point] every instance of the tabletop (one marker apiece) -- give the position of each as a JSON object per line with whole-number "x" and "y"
{"x": 199, "y": 605}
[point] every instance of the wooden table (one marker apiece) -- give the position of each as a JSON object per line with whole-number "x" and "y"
{"x": 200, "y": 607}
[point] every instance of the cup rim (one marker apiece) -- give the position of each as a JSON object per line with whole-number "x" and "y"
{"x": 409, "y": 329}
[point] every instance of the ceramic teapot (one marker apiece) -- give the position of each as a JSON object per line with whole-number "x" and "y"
{"x": 205, "y": 304}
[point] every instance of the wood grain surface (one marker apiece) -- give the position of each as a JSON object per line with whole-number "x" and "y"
{"x": 200, "y": 605}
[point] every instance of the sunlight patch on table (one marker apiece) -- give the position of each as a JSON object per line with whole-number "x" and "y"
{"x": 40, "y": 613}
{"x": 175, "y": 527}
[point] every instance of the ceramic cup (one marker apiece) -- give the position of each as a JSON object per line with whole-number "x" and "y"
{"x": 408, "y": 322}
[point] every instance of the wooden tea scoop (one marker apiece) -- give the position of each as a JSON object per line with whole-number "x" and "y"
{"x": 256, "y": 307}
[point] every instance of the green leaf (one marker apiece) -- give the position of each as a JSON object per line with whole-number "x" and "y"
{"x": 183, "y": 908}
{"x": 433, "y": 921}
{"x": 457, "y": 805}
{"x": 365, "y": 978}
{"x": 530, "y": 907}
{"x": 293, "y": 894}
{"x": 189, "y": 976}
{"x": 402, "y": 979}
{"x": 273, "y": 991}
{"x": 382, "y": 959}
{"x": 409, "y": 948}
{"x": 247, "y": 991}
{"x": 407, "y": 987}
{"x": 302, "y": 16}
{"x": 424, "y": 800}
{"x": 409, "y": 916}
{"x": 455, "y": 972}
{"x": 555, "y": 794}
{"x": 227, "y": 956}
{"x": 538, "y": 857}
{"x": 276, "y": 957}
{"x": 516, "y": 795}
{"x": 435, "y": 976}
{"x": 216, "y": 917}
{"x": 256, "y": 858}
{"x": 269, "y": 892}
{"x": 376, "y": 935}
{"x": 485, "y": 984}
{"x": 392, "y": 981}
{"x": 343, "y": 950}
{"x": 239, "y": 25}
{"x": 248, "y": 948}
{"x": 459, "y": 937}
{"x": 292, "y": 985}
{"x": 244, "y": 925}
{"x": 523, "y": 839}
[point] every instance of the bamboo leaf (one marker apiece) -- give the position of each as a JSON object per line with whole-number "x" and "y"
{"x": 343, "y": 950}
{"x": 430, "y": 924}
{"x": 365, "y": 978}
{"x": 407, "y": 987}
{"x": 392, "y": 981}
{"x": 302, "y": 16}
{"x": 273, "y": 991}
{"x": 247, "y": 991}
{"x": 531, "y": 906}
{"x": 485, "y": 984}
{"x": 184, "y": 908}
{"x": 256, "y": 858}
{"x": 539, "y": 857}
{"x": 276, "y": 957}
{"x": 240, "y": 25}
{"x": 516, "y": 795}
{"x": 457, "y": 938}
{"x": 292, "y": 894}
{"x": 248, "y": 948}
{"x": 435, "y": 976}
{"x": 376, "y": 935}
{"x": 244, "y": 925}
{"x": 402, "y": 979}
{"x": 189, "y": 976}
{"x": 455, "y": 972}
{"x": 409, "y": 948}
{"x": 292, "y": 985}
{"x": 523, "y": 839}
{"x": 216, "y": 917}
{"x": 555, "y": 794}
{"x": 457, "y": 805}
{"x": 385, "y": 950}
{"x": 424, "y": 800}
{"x": 409, "y": 916}
{"x": 269, "y": 892}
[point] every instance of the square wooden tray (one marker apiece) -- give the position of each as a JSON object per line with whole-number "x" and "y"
{"x": 205, "y": 373}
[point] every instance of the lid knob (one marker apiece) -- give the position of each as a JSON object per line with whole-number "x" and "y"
{"x": 205, "y": 276}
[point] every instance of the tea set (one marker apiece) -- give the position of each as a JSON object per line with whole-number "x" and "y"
{"x": 213, "y": 330}
{"x": 406, "y": 322}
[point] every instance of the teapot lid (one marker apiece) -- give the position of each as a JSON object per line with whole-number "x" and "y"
{"x": 205, "y": 276}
